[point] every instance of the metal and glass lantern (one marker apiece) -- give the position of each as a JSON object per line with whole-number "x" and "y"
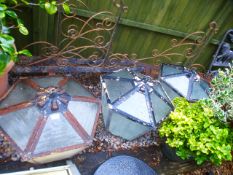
{"x": 179, "y": 81}
{"x": 132, "y": 103}
{"x": 48, "y": 119}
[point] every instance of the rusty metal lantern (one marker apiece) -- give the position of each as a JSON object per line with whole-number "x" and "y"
{"x": 49, "y": 118}
{"x": 179, "y": 81}
{"x": 132, "y": 103}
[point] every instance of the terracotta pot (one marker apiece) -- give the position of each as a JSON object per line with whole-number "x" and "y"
{"x": 4, "y": 79}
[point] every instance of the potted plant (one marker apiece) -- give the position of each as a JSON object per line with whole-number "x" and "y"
{"x": 194, "y": 132}
{"x": 10, "y": 20}
{"x": 221, "y": 95}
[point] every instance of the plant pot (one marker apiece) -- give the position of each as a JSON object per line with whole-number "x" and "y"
{"x": 170, "y": 153}
{"x": 4, "y": 79}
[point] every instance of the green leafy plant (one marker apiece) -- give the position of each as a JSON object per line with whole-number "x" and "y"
{"x": 194, "y": 131}
{"x": 10, "y": 20}
{"x": 221, "y": 95}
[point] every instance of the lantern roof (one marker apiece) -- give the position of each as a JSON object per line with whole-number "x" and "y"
{"x": 46, "y": 115}
{"x": 184, "y": 82}
{"x": 136, "y": 97}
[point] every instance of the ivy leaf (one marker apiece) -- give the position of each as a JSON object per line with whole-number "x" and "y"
{"x": 25, "y": 52}
{"x": 51, "y": 8}
{"x": 2, "y": 14}
{"x": 23, "y": 29}
{"x": 6, "y": 39}
{"x": 3, "y": 7}
{"x": 4, "y": 59}
{"x": 8, "y": 48}
{"x": 11, "y": 14}
{"x": 42, "y": 4}
{"x": 66, "y": 8}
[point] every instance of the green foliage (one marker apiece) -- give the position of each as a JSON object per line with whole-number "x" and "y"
{"x": 195, "y": 132}
{"x": 9, "y": 20}
{"x": 221, "y": 95}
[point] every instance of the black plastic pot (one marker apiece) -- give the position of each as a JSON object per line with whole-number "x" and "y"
{"x": 170, "y": 153}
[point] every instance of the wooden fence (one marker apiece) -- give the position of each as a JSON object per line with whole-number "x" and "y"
{"x": 147, "y": 24}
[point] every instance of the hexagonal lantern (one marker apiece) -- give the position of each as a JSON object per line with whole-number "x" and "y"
{"x": 179, "y": 81}
{"x": 132, "y": 103}
{"x": 48, "y": 119}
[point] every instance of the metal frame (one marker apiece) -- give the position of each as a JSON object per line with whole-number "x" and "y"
{"x": 191, "y": 73}
{"x": 58, "y": 102}
{"x": 136, "y": 88}
{"x": 219, "y": 54}
{"x": 27, "y": 153}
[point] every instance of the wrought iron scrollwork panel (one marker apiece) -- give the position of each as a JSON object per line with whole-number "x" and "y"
{"x": 84, "y": 40}
{"x": 191, "y": 47}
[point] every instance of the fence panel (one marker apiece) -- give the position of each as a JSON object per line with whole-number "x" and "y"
{"x": 149, "y": 24}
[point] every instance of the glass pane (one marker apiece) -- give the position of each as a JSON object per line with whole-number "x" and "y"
{"x": 85, "y": 113}
{"x": 157, "y": 87}
{"x": 169, "y": 70}
{"x": 170, "y": 92}
{"x": 122, "y": 74}
{"x": 105, "y": 108}
{"x": 19, "y": 125}
{"x": 75, "y": 89}
{"x": 180, "y": 83}
{"x": 57, "y": 133}
{"x": 20, "y": 93}
{"x": 47, "y": 81}
{"x": 136, "y": 106}
{"x": 117, "y": 88}
{"x": 161, "y": 109}
{"x": 198, "y": 92}
{"x": 128, "y": 129}
{"x": 204, "y": 85}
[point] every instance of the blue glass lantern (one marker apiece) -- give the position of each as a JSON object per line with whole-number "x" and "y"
{"x": 132, "y": 103}
{"x": 179, "y": 81}
{"x": 48, "y": 118}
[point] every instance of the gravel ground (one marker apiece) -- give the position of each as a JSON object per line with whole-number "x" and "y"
{"x": 7, "y": 153}
{"x": 105, "y": 141}
{"x": 109, "y": 144}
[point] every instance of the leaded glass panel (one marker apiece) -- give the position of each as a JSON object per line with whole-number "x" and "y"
{"x": 85, "y": 113}
{"x": 117, "y": 88}
{"x": 76, "y": 89}
{"x": 180, "y": 83}
{"x": 57, "y": 133}
{"x": 20, "y": 93}
{"x": 136, "y": 105}
{"x": 20, "y": 124}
